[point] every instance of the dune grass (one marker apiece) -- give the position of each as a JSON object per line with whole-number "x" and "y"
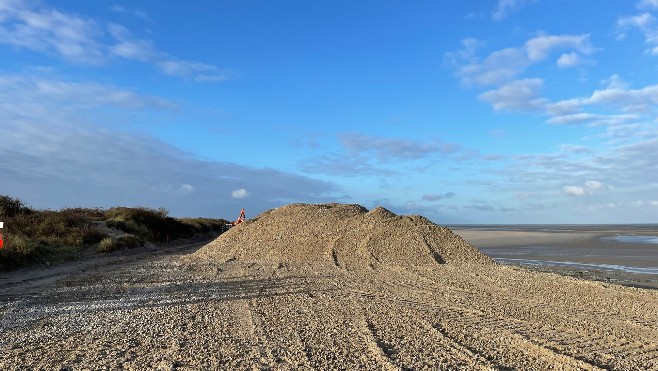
{"x": 43, "y": 236}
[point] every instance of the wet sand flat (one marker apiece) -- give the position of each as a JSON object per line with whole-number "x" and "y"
{"x": 628, "y": 253}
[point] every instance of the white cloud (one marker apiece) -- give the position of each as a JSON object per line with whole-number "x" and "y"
{"x": 539, "y": 48}
{"x": 186, "y": 189}
{"x": 471, "y": 45}
{"x": 570, "y": 60}
{"x": 564, "y": 107}
{"x": 621, "y": 103}
{"x": 648, "y": 4}
{"x": 506, "y": 7}
{"x": 505, "y": 65}
{"x": 615, "y": 82}
{"x": 588, "y": 188}
{"x": 574, "y": 190}
{"x": 626, "y": 99}
{"x": 521, "y": 95}
{"x": 239, "y": 193}
{"x": 641, "y": 21}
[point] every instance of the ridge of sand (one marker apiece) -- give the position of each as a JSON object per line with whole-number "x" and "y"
{"x": 341, "y": 235}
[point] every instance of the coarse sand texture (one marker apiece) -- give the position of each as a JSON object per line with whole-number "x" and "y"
{"x": 343, "y": 236}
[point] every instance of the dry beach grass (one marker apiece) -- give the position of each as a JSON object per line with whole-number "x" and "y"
{"x": 329, "y": 287}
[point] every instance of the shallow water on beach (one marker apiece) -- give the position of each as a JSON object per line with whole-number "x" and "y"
{"x": 626, "y": 252}
{"x": 604, "y": 267}
{"x": 632, "y": 239}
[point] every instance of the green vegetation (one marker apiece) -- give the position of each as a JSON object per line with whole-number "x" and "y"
{"x": 41, "y": 236}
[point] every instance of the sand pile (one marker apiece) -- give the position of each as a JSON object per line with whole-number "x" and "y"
{"x": 343, "y": 236}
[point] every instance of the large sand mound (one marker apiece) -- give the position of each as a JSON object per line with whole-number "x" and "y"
{"x": 344, "y": 236}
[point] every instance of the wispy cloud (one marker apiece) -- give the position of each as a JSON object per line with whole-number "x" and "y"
{"x": 617, "y": 96}
{"x": 592, "y": 119}
{"x": 438, "y": 196}
{"x": 345, "y": 165}
{"x": 648, "y": 4}
{"x": 506, "y": 7}
{"x": 361, "y": 154}
{"x": 129, "y": 47}
{"x": 645, "y": 22}
{"x": 23, "y": 24}
{"x": 481, "y": 207}
{"x": 44, "y": 99}
{"x": 388, "y": 149}
{"x": 498, "y": 67}
{"x": 134, "y": 12}
{"x": 193, "y": 70}
{"x": 82, "y": 40}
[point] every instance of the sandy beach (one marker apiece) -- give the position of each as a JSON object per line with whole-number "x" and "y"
{"x": 284, "y": 301}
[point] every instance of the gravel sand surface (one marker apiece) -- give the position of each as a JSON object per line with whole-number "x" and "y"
{"x": 247, "y": 311}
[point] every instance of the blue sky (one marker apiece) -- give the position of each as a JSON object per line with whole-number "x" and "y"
{"x": 507, "y": 111}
